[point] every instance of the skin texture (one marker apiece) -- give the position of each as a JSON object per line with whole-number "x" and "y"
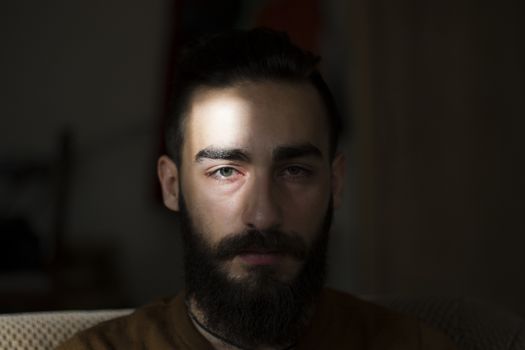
{"x": 255, "y": 155}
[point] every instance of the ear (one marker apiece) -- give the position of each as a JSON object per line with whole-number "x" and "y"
{"x": 168, "y": 174}
{"x": 338, "y": 178}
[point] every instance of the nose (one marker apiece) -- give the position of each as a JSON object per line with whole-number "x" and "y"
{"x": 262, "y": 208}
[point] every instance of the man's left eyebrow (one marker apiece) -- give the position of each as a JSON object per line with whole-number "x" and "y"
{"x": 295, "y": 151}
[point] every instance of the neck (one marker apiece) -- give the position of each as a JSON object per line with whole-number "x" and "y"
{"x": 220, "y": 341}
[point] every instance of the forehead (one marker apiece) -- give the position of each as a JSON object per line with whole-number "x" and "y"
{"x": 257, "y": 116}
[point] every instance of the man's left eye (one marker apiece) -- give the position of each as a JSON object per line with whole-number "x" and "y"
{"x": 295, "y": 171}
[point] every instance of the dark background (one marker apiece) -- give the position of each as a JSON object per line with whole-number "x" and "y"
{"x": 433, "y": 92}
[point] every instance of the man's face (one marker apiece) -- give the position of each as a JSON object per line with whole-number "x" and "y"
{"x": 256, "y": 156}
{"x": 256, "y": 190}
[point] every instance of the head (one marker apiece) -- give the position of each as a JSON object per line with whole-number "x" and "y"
{"x": 253, "y": 168}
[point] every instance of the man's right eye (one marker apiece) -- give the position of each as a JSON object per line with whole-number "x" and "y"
{"x": 224, "y": 173}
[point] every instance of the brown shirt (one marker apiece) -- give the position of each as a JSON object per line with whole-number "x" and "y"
{"x": 341, "y": 321}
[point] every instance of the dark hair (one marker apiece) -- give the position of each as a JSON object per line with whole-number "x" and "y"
{"x": 236, "y": 56}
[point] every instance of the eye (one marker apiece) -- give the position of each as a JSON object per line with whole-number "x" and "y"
{"x": 296, "y": 172}
{"x": 224, "y": 173}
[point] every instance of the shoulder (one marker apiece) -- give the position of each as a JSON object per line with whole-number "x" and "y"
{"x": 348, "y": 319}
{"x": 147, "y": 327}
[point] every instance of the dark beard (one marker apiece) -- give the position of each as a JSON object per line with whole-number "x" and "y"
{"x": 259, "y": 310}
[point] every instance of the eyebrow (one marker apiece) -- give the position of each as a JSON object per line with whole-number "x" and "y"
{"x": 281, "y": 153}
{"x": 222, "y": 153}
{"x": 296, "y": 151}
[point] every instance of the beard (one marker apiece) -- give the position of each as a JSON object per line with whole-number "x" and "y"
{"x": 258, "y": 309}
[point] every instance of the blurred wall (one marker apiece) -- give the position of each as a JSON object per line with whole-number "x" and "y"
{"x": 97, "y": 68}
{"x": 439, "y": 91}
{"x": 434, "y": 202}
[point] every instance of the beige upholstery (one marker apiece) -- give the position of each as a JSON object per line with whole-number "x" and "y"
{"x": 471, "y": 324}
{"x": 45, "y": 330}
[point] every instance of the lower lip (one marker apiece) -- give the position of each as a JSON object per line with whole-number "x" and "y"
{"x": 260, "y": 259}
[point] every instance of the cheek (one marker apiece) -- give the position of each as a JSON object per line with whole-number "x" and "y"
{"x": 212, "y": 211}
{"x": 305, "y": 208}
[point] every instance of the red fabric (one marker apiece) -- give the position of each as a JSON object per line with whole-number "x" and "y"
{"x": 299, "y": 18}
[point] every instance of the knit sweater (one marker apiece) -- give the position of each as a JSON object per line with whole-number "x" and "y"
{"x": 340, "y": 321}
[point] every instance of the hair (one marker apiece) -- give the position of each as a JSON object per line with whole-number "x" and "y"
{"x": 237, "y": 56}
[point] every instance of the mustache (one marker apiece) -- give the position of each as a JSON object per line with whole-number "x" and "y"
{"x": 273, "y": 240}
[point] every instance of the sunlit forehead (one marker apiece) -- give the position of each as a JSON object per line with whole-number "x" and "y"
{"x": 257, "y": 118}
{"x": 219, "y": 117}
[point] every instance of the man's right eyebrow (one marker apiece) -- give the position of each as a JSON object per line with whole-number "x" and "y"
{"x": 223, "y": 154}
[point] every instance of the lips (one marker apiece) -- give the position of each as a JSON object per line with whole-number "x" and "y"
{"x": 260, "y": 258}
